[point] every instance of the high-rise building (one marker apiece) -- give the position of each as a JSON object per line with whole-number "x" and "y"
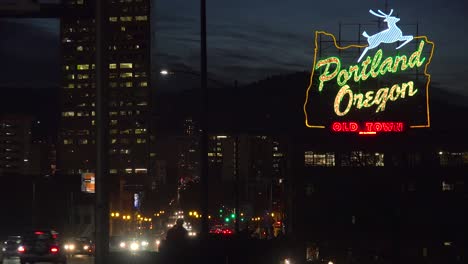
{"x": 128, "y": 59}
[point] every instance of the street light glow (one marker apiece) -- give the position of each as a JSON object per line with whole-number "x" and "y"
{"x": 164, "y": 72}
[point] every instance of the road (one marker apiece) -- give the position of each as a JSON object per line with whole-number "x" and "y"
{"x": 73, "y": 260}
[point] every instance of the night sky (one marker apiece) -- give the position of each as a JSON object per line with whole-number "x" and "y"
{"x": 248, "y": 40}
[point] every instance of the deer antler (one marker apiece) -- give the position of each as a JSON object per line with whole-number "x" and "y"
{"x": 391, "y": 11}
{"x": 380, "y": 11}
{"x": 377, "y": 15}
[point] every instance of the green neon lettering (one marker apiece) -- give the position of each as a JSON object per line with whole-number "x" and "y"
{"x": 415, "y": 59}
{"x": 375, "y": 63}
{"x": 326, "y": 75}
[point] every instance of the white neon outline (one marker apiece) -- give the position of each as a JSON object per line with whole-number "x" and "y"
{"x": 390, "y": 35}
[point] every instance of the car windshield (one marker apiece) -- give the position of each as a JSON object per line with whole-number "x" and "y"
{"x": 233, "y": 131}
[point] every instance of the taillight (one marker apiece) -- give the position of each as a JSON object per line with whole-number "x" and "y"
{"x": 38, "y": 233}
{"x": 54, "y": 249}
{"x": 21, "y": 249}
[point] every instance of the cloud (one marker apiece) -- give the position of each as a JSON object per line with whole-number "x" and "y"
{"x": 30, "y": 55}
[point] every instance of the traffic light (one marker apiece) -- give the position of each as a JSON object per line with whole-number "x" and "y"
{"x": 233, "y": 216}
{"x": 227, "y": 219}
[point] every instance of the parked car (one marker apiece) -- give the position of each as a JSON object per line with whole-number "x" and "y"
{"x": 41, "y": 246}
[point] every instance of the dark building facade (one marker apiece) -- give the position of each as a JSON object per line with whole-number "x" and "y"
{"x": 381, "y": 199}
{"x": 128, "y": 37}
{"x": 23, "y": 151}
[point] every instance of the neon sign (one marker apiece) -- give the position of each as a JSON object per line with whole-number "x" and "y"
{"x": 386, "y": 85}
{"x": 390, "y": 35}
{"x": 368, "y": 128}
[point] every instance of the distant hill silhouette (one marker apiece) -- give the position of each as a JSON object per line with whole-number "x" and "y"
{"x": 274, "y": 105}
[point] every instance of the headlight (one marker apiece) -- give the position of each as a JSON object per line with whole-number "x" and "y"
{"x": 69, "y": 247}
{"x": 158, "y": 242}
{"x": 144, "y": 243}
{"x": 192, "y": 233}
{"x": 122, "y": 244}
{"x": 86, "y": 247}
{"x": 134, "y": 246}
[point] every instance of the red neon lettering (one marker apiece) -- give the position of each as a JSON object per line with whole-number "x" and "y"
{"x": 369, "y": 127}
{"x": 336, "y": 127}
{"x": 387, "y": 127}
{"x": 399, "y": 127}
{"x": 377, "y": 127}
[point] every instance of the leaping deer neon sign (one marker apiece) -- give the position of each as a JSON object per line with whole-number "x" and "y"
{"x": 390, "y": 35}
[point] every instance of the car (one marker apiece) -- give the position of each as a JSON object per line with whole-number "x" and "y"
{"x": 10, "y": 247}
{"x": 81, "y": 246}
{"x": 221, "y": 230}
{"x": 41, "y": 246}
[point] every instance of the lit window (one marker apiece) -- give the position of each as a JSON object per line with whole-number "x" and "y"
{"x": 122, "y": 28}
{"x": 112, "y": 66}
{"x": 124, "y": 151}
{"x": 362, "y": 159}
{"x": 82, "y": 67}
{"x": 83, "y": 76}
{"x": 142, "y": 103}
{"x": 71, "y": 76}
{"x": 113, "y": 122}
{"x": 211, "y": 154}
{"x": 126, "y": 19}
{"x": 82, "y": 113}
{"x": 93, "y": 113}
{"x": 128, "y": 170}
{"x": 140, "y": 140}
{"x": 68, "y": 141}
{"x": 79, "y": 2}
{"x": 66, "y": 67}
{"x": 113, "y": 84}
{"x": 113, "y": 131}
{"x": 319, "y": 159}
{"x": 113, "y": 171}
{"x": 126, "y": 65}
{"x": 140, "y": 131}
{"x": 446, "y": 187}
{"x": 126, "y": 75}
{"x": 83, "y": 141}
{"x": 141, "y": 18}
{"x": 69, "y": 113}
{"x": 126, "y": 132}
{"x": 141, "y": 170}
{"x": 113, "y": 19}
{"x": 152, "y": 154}
{"x": 113, "y": 141}
{"x": 113, "y": 113}
{"x": 79, "y": 48}
{"x": 143, "y": 84}
{"x": 70, "y": 86}
{"x": 128, "y": 84}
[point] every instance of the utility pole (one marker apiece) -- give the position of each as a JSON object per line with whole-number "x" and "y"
{"x": 203, "y": 123}
{"x": 102, "y": 141}
{"x": 236, "y": 176}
